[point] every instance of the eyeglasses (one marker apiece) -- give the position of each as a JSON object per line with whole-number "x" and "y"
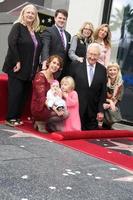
{"x": 87, "y": 29}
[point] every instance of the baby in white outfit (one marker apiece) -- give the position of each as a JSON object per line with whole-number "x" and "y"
{"x": 54, "y": 96}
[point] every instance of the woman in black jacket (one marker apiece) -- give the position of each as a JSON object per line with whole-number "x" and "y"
{"x": 21, "y": 62}
{"x": 80, "y": 42}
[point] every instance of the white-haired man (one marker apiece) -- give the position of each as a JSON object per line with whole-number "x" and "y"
{"x": 90, "y": 80}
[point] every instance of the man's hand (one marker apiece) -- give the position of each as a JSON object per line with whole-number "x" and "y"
{"x": 100, "y": 116}
{"x": 17, "y": 67}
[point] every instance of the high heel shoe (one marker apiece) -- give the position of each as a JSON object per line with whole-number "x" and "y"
{"x": 40, "y": 126}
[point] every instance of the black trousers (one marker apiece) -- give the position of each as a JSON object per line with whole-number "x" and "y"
{"x": 18, "y": 92}
{"x": 88, "y": 119}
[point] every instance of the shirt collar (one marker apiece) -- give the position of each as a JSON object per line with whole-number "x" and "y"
{"x": 88, "y": 64}
{"x": 59, "y": 28}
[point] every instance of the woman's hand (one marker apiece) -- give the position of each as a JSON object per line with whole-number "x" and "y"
{"x": 58, "y": 112}
{"x": 80, "y": 59}
{"x": 106, "y": 106}
{"x": 17, "y": 67}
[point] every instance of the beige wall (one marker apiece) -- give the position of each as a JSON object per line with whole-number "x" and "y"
{"x": 84, "y": 10}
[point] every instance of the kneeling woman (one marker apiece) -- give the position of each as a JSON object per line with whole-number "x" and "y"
{"x": 42, "y": 115}
{"x": 115, "y": 90}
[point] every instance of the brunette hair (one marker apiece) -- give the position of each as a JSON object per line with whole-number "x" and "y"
{"x": 107, "y": 39}
{"x": 49, "y": 60}
{"x": 36, "y": 22}
{"x": 62, "y": 11}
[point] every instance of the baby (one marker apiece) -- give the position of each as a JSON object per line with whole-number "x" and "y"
{"x": 54, "y": 97}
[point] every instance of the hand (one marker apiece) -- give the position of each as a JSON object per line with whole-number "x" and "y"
{"x": 100, "y": 116}
{"x": 112, "y": 106}
{"x": 106, "y": 106}
{"x": 58, "y": 112}
{"x": 44, "y": 64}
{"x": 65, "y": 94}
{"x": 80, "y": 59}
{"x": 17, "y": 67}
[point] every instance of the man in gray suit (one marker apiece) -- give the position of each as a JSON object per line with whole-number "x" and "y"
{"x": 90, "y": 80}
{"x": 56, "y": 40}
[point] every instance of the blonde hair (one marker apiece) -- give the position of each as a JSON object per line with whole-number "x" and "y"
{"x": 80, "y": 32}
{"x": 107, "y": 39}
{"x": 36, "y": 22}
{"x": 118, "y": 80}
{"x": 70, "y": 80}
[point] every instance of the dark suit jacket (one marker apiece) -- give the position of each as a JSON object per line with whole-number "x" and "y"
{"x": 21, "y": 49}
{"x": 91, "y": 98}
{"x": 52, "y": 43}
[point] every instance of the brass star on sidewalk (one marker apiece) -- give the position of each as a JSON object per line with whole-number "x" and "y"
{"x": 121, "y": 146}
{"x": 20, "y": 134}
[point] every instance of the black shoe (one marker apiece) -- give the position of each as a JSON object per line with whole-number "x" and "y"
{"x": 12, "y": 122}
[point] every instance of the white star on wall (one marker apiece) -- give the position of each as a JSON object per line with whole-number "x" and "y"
{"x": 49, "y": 20}
{"x": 43, "y": 21}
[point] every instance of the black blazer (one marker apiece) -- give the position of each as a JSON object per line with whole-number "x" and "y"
{"x": 52, "y": 43}
{"x": 21, "y": 48}
{"x": 90, "y": 97}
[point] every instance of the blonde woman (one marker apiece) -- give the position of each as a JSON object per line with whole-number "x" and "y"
{"x": 21, "y": 62}
{"x": 80, "y": 42}
{"x": 114, "y": 90}
{"x": 102, "y": 36}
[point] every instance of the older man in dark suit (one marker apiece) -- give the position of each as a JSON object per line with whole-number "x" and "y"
{"x": 56, "y": 40}
{"x": 90, "y": 78}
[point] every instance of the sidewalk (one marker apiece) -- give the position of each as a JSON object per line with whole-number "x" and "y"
{"x": 32, "y": 168}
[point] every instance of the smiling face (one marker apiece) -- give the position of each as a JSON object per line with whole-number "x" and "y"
{"x": 87, "y": 32}
{"x": 60, "y": 20}
{"x": 103, "y": 32}
{"x": 54, "y": 65}
{"x": 112, "y": 72}
{"x": 29, "y": 15}
{"x": 93, "y": 55}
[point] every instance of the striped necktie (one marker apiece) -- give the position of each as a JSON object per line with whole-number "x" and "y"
{"x": 62, "y": 38}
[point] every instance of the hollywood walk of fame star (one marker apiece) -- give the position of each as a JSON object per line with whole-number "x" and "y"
{"x": 20, "y": 134}
{"x": 121, "y": 146}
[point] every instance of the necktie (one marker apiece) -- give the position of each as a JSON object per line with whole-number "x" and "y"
{"x": 91, "y": 74}
{"x": 62, "y": 38}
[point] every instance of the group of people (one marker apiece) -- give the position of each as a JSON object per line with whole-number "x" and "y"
{"x": 75, "y": 84}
